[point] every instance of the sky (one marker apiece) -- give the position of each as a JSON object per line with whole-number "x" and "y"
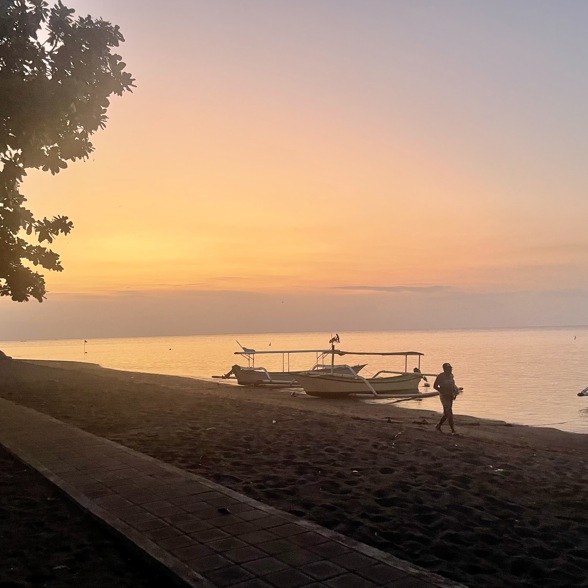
{"x": 326, "y": 165}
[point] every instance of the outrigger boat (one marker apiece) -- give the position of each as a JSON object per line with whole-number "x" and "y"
{"x": 251, "y": 375}
{"x": 402, "y": 384}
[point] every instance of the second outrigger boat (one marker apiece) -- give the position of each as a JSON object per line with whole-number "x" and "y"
{"x": 388, "y": 383}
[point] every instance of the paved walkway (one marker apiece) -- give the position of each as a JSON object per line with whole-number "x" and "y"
{"x": 203, "y": 534}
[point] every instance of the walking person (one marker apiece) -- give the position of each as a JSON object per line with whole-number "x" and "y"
{"x": 445, "y": 385}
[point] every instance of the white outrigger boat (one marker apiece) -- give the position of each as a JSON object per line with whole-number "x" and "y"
{"x": 251, "y": 375}
{"x": 401, "y": 384}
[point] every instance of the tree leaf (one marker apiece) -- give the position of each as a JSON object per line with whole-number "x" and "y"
{"x": 54, "y": 97}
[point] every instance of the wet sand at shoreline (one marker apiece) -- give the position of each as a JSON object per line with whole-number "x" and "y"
{"x": 497, "y": 505}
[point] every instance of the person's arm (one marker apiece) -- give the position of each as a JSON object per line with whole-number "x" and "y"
{"x": 437, "y": 384}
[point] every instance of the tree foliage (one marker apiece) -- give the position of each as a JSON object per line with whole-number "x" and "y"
{"x": 57, "y": 73}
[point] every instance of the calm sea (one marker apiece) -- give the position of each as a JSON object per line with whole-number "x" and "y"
{"x": 526, "y": 376}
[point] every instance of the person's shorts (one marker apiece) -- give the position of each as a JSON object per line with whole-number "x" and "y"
{"x": 447, "y": 403}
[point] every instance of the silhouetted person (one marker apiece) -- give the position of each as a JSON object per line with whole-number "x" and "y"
{"x": 417, "y": 371}
{"x": 231, "y": 372}
{"x": 445, "y": 385}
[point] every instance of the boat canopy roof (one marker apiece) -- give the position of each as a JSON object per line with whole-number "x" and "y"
{"x": 247, "y": 351}
{"x": 405, "y": 353}
{"x": 326, "y": 352}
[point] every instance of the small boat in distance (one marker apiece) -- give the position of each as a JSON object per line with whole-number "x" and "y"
{"x": 251, "y": 375}
{"x": 401, "y": 384}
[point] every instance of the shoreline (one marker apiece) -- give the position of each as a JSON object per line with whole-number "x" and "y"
{"x": 282, "y": 397}
{"x": 521, "y": 397}
{"x": 501, "y": 504}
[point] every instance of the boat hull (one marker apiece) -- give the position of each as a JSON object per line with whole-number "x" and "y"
{"x": 334, "y": 385}
{"x": 253, "y": 377}
{"x": 261, "y": 377}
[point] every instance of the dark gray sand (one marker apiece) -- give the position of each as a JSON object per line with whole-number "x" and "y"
{"x": 496, "y": 506}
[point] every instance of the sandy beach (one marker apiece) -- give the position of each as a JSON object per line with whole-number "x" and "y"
{"x": 498, "y": 505}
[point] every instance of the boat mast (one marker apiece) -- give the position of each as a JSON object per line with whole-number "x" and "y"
{"x": 332, "y": 341}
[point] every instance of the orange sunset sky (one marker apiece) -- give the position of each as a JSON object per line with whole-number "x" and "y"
{"x": 327, "y": 165}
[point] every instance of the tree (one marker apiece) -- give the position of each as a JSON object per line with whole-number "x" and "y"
{"x": 57, "y": 73}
